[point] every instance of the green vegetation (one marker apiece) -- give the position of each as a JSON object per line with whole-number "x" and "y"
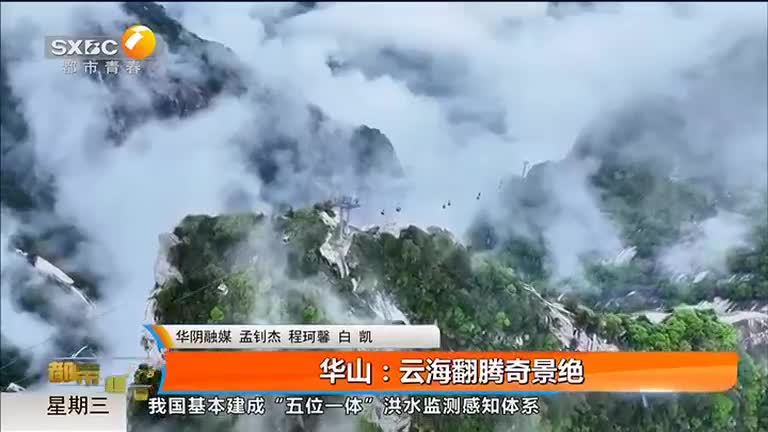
{"x": 683, "y": 330}
{"x": 434, "y": 279}
{"x": 745, "y": 278}
{"x": 479, "y": 302}
{"x": 527, "y": 257}
{"x": 205, "y": 258}
{"x": 306, "y": 232}
{"x": 650, "y": 208}
{"x": 219, "y": 252}
{"x": 753, "y": 263}
{"x": 177, "y": 305}
{"x": 652, "y": 212}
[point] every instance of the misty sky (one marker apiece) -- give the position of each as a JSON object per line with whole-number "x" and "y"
{"x": 466, "y": 93}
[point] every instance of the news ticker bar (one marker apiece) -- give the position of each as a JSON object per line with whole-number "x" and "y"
{"x": 347, "y": 405}
{"x": 74, "y": 412}
{"x": 63, "y": 412}
{"x": 431, "y": 372}
{"x": 326, "y": 337}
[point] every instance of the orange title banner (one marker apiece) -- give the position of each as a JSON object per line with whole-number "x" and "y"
{"x": 188, "y": 372}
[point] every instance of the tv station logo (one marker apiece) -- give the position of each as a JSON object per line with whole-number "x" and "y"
{"x": 137, "y": 45}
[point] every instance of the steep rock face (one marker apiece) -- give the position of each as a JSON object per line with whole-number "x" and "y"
{"x": 380, "y": 273}
{"x": 164, "y": 268}
{"x": 754, "y": 336}
{"x": 373, "y": 152}
{"x": 569, "y": 334}
{"x": 425, "y": 277}
{"x": 324, "y": 162}
{"x": 173, "y": 95}
{"x": 280, "y": 157}
{"x": 412, "y": 275}
{"x": 750, "y": 318}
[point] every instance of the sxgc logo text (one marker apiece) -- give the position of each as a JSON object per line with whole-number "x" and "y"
{"x": 137, "y": 43}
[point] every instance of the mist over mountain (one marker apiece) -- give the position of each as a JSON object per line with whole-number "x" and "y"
{"x": 606, "y": 156}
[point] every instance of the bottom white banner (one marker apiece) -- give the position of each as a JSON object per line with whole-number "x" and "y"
{"x": 64, "y": 411}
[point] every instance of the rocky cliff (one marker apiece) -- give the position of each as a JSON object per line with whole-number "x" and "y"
{"x": 309, "y": 266}
{"x": 650, "y": 180}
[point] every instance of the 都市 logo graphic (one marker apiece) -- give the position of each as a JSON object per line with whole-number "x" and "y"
{"x": 139, "y": 42}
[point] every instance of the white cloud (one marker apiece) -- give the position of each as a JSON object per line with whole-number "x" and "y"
{"x": 707, "y": 248}
{"x": 544, "y": 79}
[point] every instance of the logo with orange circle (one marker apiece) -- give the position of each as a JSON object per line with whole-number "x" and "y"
{"x": 139, "y": 42}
